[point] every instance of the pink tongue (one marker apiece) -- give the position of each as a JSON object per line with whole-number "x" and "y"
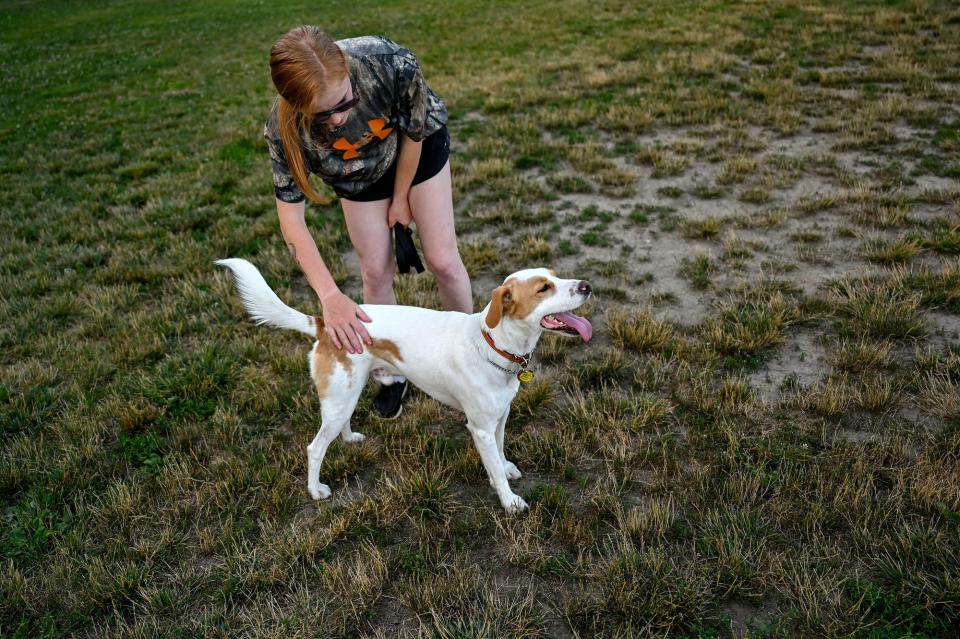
{"x": 575, "y": 321}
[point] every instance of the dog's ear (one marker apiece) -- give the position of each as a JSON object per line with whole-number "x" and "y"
{"x": 499, "y": 301}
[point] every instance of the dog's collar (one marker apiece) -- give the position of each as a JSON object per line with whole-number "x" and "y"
{"x": 505, "y": 369}
{"x": 523, "y": 360}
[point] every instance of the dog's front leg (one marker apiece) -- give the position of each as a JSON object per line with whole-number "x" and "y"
{"x": 484, "y": 438}
{"x": 509, "y": 468}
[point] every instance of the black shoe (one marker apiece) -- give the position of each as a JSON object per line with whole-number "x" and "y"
{"x": 389, "y": 401}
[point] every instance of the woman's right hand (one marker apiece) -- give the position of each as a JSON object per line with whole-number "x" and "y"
{"x": 342, "y": 322}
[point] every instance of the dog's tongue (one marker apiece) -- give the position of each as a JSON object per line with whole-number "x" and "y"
{"x": 581, "y": 325}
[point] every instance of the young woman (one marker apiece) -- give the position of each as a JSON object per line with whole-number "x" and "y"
{"x": 358, "y": 114}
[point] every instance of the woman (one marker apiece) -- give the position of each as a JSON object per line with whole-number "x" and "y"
{"x": 358, "y": 113}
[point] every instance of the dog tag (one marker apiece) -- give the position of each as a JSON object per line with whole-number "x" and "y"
{"x": 525, "y": 376}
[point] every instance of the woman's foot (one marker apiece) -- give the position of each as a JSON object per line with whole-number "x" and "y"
{"x": 389, "y": 400}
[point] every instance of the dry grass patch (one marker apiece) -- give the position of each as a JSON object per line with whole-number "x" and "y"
{"x": 533, "y": 250}
{"x": 479, "y": 255}
{"x": 615, "y": 182}
{"x": 567, "y": 117}
{"x": 702, "y": 228}
{"x": 687, "y": 146}
{"x": 646, "y": 590}
{"x": 754, "y": 195}
{"x": 731, "y": 395}
{"x": 937, "y": 288}
{"x": 482, "y": 171}
{"x": 859, "y": 354}
{"x": 940, "y": 395}
{"x": 883, "y": 217}
{"x": 417, "y": 290}
{"x": 878, "y": 308}
{"x": 638, "y": 331}
{"x": 664, "y": 164}
{"x": 569, "y": 183}
{"x": 588, "y": 157}
{"x": 458, "y": 599}
{"x": 810, "y": 205}
{"x": 736, "y": 170}
{"x": 882, "y": 251}
{"x": 698, "y": 270}
{"x": 598, "y": 413}
{"x": 744, "y": 328}
{"x": 626, "y": 117}
{"x": 736, "y": 249}
{"x": 878, "y": 394}
{"x": 833, "y": 397}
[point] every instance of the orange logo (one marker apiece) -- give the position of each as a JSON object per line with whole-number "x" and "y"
{"x": 349, "y": 150}
{"x": 377, "y": 130}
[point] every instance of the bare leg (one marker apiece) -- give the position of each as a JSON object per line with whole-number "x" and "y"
{"x": 431, "y": 203}
{"x": 367, "y": 226}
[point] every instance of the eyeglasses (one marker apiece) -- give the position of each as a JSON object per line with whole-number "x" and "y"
{"x": 323, "y": 116}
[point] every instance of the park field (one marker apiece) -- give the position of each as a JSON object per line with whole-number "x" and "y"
{"x": 762, "y": 440}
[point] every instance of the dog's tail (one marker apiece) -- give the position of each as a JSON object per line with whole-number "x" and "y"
{"x": 263, "y": 304}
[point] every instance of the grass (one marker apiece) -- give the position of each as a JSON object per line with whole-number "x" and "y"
{"x": 756, "y": 191}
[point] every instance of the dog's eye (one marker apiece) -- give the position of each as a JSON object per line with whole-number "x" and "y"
{"x": 545, "y": 288}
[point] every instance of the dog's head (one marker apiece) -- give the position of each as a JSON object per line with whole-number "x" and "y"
{"x": 538, "y": 298}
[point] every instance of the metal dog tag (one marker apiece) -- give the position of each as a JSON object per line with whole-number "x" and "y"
{"x": 525, "y": 376}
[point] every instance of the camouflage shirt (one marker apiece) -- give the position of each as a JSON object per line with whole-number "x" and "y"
{"x": 393, "y": 95}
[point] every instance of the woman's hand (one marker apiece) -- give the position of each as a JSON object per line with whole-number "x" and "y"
{"x": 342, "y": 322}
{"x": 399, "y": 211}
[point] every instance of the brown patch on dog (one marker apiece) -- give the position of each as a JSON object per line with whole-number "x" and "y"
{"x": 386, "y": 350}
{"x": 324, "y": 356}
{"x": 526, "y": 295}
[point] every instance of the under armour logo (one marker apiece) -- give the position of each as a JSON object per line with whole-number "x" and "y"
{"x": 349, "y": 150}
{"x": 377, "y": 130}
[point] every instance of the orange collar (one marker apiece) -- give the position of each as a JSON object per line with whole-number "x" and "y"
{"x": 523, "y": 360}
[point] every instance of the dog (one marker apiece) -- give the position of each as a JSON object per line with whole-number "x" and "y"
{"x": 473, "y": 363}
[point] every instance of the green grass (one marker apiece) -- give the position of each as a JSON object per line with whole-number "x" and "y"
{"x": 760, "y": 441}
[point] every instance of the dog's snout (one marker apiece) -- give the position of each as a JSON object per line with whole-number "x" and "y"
{"x": 584, "y": 287}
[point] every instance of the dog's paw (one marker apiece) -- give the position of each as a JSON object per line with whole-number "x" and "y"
{"x": 322, "y": 491}
{"x": 512, "y": 471}
{"x": 353, "y": 438}
{"x": 515, "y": 504}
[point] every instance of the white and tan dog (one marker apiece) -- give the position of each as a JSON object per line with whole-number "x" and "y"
{"x": 469, "y": 362}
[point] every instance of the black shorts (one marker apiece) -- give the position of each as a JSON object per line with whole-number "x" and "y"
{"x": 433, "y": 155}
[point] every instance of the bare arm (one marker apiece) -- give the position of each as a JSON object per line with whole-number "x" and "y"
{"x": 407, "y": 161}
{"x": 293, "y": 226}
{"x": 340, "y": 313}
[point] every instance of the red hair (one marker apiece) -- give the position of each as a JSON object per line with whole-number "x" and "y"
{"x": 304, "y": 64}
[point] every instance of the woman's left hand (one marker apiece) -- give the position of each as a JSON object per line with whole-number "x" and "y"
{"x": 399, "y": 212}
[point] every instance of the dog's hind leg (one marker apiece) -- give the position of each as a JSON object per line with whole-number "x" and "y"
{"x": 338, "y": 399}
{"x": 347, "y": 434}
{"x": 315, "y": 453}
